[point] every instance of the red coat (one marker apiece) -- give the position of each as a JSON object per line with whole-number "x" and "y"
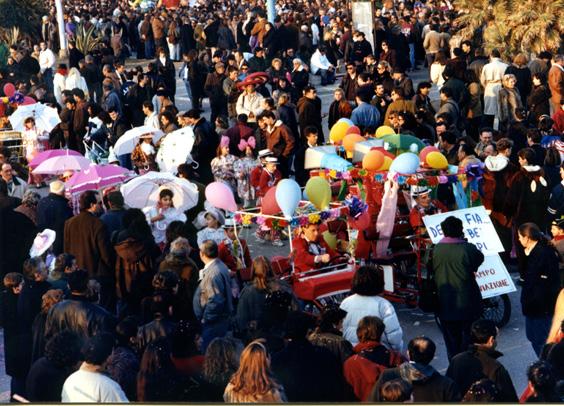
{"x": 230, "y": 261}
{"x": 268, "y": 180}
{"x": 255, "y": 176}
{"x": 363, "y": 369}
{"x": 304, "y": 260}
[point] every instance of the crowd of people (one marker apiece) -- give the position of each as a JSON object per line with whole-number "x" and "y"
{"x": 115, "y": 303}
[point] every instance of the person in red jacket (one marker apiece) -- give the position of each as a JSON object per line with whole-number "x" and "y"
{"x": 363, "y": 369}
{"x": 257, "y": 172}
{"x": 269, "y": 177}
{"x": 234, "y": 252}
{"x": 424, "y": 206}
{"x": 310, "y": 250}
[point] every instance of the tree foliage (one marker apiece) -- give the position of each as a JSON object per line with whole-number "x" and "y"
{"x": 23, "y": 14}
{"x": 513, "y": 26}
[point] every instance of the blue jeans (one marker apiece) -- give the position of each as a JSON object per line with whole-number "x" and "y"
{"x": 412, "y": 55}
{"x": 537, "y": 329}
{"x": 189, "y": 93}
{"x": 327, "y": 76}
{"x": 125, "y": 161}
{"x": 213, "y": 330}
{"x": 149, "y": 49}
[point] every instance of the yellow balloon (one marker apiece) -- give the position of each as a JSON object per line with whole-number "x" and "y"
{"x": 384, "y": 130}
{"x": 330, "y": 239}
{"x": 436, "y": 160}
{"x": 318, "y": 192}
{"x": 386, "y": 165}
{"x": 338, "y": 132}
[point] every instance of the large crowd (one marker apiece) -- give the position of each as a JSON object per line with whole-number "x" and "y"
{"x": 107, "y": 303}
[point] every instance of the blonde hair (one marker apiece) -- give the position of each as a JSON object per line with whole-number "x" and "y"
{"x": 50, "y": 299}
{"x": 328, "y": 36}
{"x": 254, "y": 376}
{"x": 283, "y": 98}
{"x": 507, "y": 77}
{"x": 520, "y": 59}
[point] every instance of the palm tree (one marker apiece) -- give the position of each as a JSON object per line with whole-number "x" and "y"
{"x": 512, "y": 25}
{"x": 22, "y": 14}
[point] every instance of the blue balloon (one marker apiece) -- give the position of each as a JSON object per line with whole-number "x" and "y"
{"x": 288, "y": 196}
{"x": 335, "y": 162}
{"x": 406, "y": 163}
{"x": 346, "y": 120}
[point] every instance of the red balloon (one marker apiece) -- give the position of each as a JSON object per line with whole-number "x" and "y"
{"x": 425, "y": 151}
{"x": 28, "y": 100}
{"x": 9, "y": 89}
{"x": 269, "y": 205}
{"x": 353, "y": 129}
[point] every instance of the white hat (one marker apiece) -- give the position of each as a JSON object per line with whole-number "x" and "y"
{"x": 417, "y": 191}
{"x": 264, "y": 153}
{"x": 229, "y": 223}
{"x": 271, "y": 160}
{"x": 42, "y": 242}
{"x": 57, "y": 187}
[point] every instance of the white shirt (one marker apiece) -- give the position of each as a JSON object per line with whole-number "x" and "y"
{"x": 152, "y": 120}
{"x": 46, "y": 60}
{"x": 319, "y": 61}
{"x": 91, "y": 387}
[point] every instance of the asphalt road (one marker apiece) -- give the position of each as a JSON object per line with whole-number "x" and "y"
{"x": 518, "y": 353}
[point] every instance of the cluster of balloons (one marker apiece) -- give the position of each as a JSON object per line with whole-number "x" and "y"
{"x": 433, "y": 158}
{"x": 377, "y": 159}
{"x": 10, "y": 90}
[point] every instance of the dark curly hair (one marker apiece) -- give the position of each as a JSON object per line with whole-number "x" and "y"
{"x": 63, "y": 349}
{"x": 368, "y": 280}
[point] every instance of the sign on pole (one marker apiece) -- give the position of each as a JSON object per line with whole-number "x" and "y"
{"x": 492, "y": 276}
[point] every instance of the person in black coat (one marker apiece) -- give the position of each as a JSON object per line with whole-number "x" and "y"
{"x": 13, "y": 283}
{"x": 74, "y": 55}
{"x": 48, "y": 374}
{"x": 205, "y": 144}
{"x": 165, "y": 68}
{"x": 309, "y": 112}
{"x": 480, "y": 361}
{"x": 29, "y": 305}
{"x": 302, "y": 175}
{"x": 429, "y": 386}
{"x": 541, "y": 284}
{"x": 308, "y": 373}
{"x": 187, "y": 41}
{"x": 52, "y": 212}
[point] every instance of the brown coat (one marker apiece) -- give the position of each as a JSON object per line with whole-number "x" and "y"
{"x": 556, "y": 84}
{"x": 135, "y": 266}
{"x": 87, "y": 239}
{"x": 280, "y": 141}
{"x": 398, "y": 106}
{"x": 258, "y": 29}
{"x": 158, "y": 28}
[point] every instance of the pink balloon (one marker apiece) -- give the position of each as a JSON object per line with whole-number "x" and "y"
{"x": 28, "y": 100}
{"x": 425, "y": 151}
{"x": 9, "y": 89}
{"x": 269, "y": 204}
{"x": 221, "y": 196}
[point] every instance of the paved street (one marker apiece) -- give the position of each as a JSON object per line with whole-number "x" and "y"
{"x": 512, "y": 340}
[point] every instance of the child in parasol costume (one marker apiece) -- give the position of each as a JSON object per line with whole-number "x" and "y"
{"x": 161, "y": 215}
{"x": 143, "y": 155}
{"x": 222, "y": 164}
{"x": 34, "y": 141}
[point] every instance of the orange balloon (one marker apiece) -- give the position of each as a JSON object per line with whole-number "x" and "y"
{"x": 373, "y": 160}
{"x": 350, "y": 140}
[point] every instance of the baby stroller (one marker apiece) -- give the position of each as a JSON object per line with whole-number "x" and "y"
{"x": 95, "y": 142}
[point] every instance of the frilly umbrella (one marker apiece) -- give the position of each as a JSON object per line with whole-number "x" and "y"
{"x": 97, "y": 177}
{"x": 143, "y": 191}
{"x": 175, "y": 149}
{"x": 127, "y": 142}
{"x": 46, "y": 118}
{"x": 60, "y": 164}
{"x": 43, "y": 156}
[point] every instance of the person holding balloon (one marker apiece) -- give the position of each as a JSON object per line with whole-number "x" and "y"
{"x": 424, "y": 206}
{"x": 222, "y": 164}
{"x": 243, "y": 168}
